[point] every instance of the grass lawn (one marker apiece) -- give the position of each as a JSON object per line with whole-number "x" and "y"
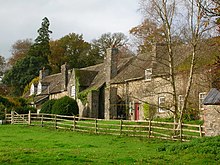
{"x": 37, "y": 145}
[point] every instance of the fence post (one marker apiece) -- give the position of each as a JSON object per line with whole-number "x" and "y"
{"x": 149, "y": 129}
{"x": 5, "y": 115}
{"x": 42, "y": 120}
{"x": 181, "y": 131}
{"x": 200, "y": 130}
{"x": 55, "y": 121}
{"x": 12, "y": 117}
{"x": 29, "y": 117}
{"x": 121, "y": 122}
{"x": 96, "y": 125}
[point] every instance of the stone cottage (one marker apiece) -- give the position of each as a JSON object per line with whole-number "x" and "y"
{"x": 212, "y": 112}
{"x": 128, "y": 87}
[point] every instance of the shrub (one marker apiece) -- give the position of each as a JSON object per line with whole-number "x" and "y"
{"x": 2, "y": 111}
{"x": 25, "y": 109}
{"x": 47, "y": 106}
{"x": 65, "y": 106}
{"x": 149, "y": 111}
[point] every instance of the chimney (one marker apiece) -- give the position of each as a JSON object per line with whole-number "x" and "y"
{"x": 43, "y": 73}
{"x": 111, "y": 64}
{"x": 64, "y": 73}
{"x": 110, "y": 92}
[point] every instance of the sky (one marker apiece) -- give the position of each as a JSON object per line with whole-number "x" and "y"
{"x": 20, "y": 19}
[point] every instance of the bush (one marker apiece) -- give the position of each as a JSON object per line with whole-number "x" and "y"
{"x": 65, "y": 106}
{"x": 25, "y": 109}
{"x": 2, "y": 111}
{"x": 47, "y": 106}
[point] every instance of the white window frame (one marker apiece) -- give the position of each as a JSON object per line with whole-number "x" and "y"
{"x": 161, "y": 100}
{"x": 180, "y": 101}
{"x": 73, "y": 91}
{"x": 32, "y": 89}
{"x": 39, "y": 88}
{"x": 148, "y": 74}
{"x": 202, "y": 96}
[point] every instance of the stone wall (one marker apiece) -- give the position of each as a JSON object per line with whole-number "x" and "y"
{"x": 58, "y": 95}
{"x": 212, "y": 120}
{"x": 142, "y": 91}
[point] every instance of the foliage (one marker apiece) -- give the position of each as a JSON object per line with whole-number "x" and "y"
{"x": 19, "y": 50}
{"x": 25, "y": 109}
{"x": 23, "y": 72}
{"x": 147, "y": 34}
{"x": 65, "y": 106}
{"x": 20, "y": 105}
{"x": 149, "y": 111}
{"x": 47, "y": 106}
{"x": 6, "y": 102}
{"x": 108, "y": 40}
{"x": 27, "y": 68}
{"x": 2, "y": 111}
{"x": 41, "y": 47}
{"x": 74, "y": 50}
{"x": 2, "y": 65}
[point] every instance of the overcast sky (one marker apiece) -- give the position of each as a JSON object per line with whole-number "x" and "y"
{"x": 20, "y": 19}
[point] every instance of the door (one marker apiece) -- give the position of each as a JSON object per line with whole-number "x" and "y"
{"x": 136, "y": 115}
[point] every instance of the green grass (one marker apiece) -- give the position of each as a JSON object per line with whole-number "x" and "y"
{"x": 37, "y": 145}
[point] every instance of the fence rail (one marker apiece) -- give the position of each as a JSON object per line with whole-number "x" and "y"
{"x": 149, "y": 129}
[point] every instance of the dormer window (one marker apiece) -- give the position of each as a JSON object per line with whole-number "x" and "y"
{"x": 39, "y": 88}
{"x": 148, "y": 74}
{"x": 32, "y": 89}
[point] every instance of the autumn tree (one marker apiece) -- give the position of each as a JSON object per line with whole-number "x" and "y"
{"x": 74, "y": 50}
{"x": 212, "y": 9}
{"x": 108, "y": 40}
{"x": 19, "y": 50}
{"x": 164, "y": 12}
{"x": 147, "y": 34}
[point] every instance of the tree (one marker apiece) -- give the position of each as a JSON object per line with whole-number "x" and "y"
{"x": 2, "y": 65}
{"x": 74, "y": 50}
{"x": 19, "y": 50}
{"x": 22, "y": 73}
{"x": 164, "y": 12}
{"x": 212, "y": 9}
{"x": 147, "y": 34}
{"x": 41, "y": 47}
{"x": 108, "y": 40}
{"x": 28, "y": 67}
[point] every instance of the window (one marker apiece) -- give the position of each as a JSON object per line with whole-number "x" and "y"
{"x": 32, "y": 89}
{"x": 73, "y": 91}
{"x": 180, "y": 101}
{"x": 148, "y": 74}
{"x": 161, "y": 104}
{"x": 39, "y": 88}
{"x": 201, "y": 99}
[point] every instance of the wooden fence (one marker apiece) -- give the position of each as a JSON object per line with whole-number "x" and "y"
{"x": 149, "y": 129}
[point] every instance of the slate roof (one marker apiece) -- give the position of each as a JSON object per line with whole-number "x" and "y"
{"x": 53, "y": 82}
{"x": 135, "y": 69}
{"x": 99, "y": 79}
{"x": 213, "y": 97}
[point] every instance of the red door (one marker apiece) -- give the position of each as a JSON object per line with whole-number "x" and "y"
{"x": 136, "y": 115}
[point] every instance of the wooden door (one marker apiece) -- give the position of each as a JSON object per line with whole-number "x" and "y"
{"x": 136, "y": 115}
